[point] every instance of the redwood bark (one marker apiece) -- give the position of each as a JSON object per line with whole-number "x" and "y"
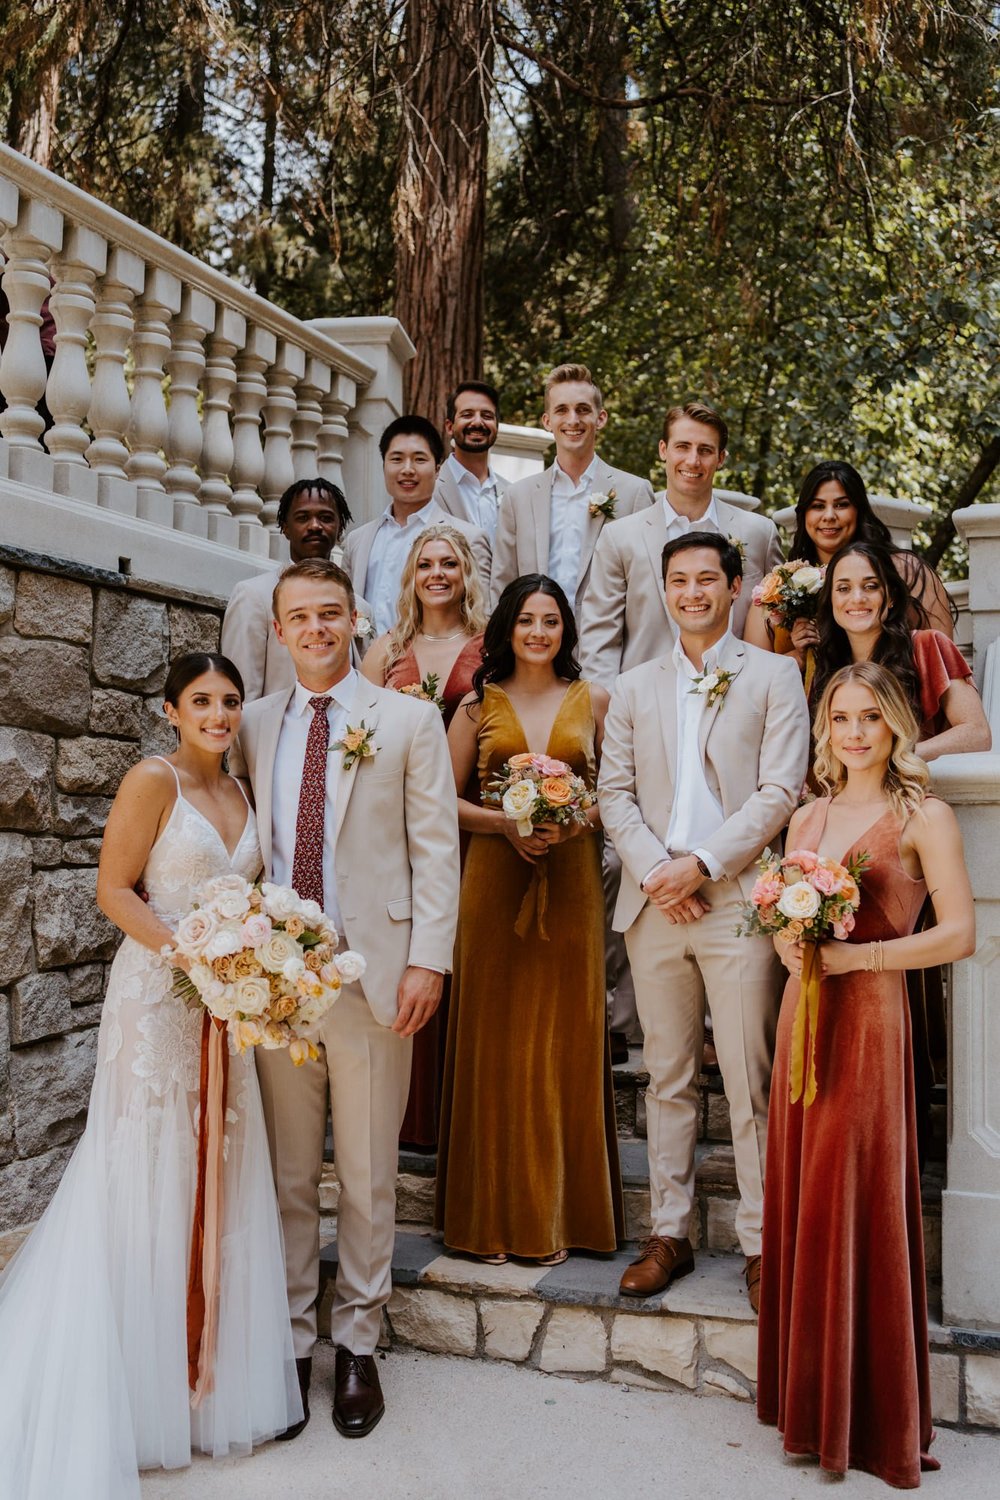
{"x": 440, "y": 207}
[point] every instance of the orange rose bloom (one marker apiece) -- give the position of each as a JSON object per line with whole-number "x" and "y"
{"x": 517, "y": 761}
{"x": 556, "y": 791}
{"x": 771, "y": 593}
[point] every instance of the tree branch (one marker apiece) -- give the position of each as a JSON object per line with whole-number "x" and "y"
{"x": 943, "y": 533}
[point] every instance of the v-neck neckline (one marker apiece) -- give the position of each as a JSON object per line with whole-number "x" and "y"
{"x": 552, "y": 727}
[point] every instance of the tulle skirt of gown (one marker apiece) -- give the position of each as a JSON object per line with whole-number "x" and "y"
{"x": 93, "y": 1343}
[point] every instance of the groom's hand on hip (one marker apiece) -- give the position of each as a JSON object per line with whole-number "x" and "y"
{"x": 417, "y": 998}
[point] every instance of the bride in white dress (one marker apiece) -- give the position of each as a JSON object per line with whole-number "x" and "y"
{"x": 93, "y": 1336}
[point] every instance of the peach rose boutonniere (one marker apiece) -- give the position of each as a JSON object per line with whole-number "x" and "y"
{"x": 713, "y": 686}
{"x": 357, "y": 744}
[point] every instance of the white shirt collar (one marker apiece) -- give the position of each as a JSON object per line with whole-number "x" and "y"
{"x": 464, "y": 476}
{"x": 342, "y": 693}
{"x": 710, "y": 659}
{"x": 415, "y": 518}
{"x": 587, "y": 477}
{"x": 711, "y": 514}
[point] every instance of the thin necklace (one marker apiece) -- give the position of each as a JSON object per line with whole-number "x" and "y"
{"x": 453, "y": 637}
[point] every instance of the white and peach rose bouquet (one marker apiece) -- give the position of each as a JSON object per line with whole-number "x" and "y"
{"x": 790, "y": 591}
{"x": 531, "y": 789}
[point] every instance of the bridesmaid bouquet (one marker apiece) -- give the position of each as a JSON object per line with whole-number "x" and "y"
{"x": 790, "y": 591}
{"x": 263, "y": 963}
{"x": 804, "y": 898}
{"x": 534, "y": 789}
{"x": 427, "y": 689}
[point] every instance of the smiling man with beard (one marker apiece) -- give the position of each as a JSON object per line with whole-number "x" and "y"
{"x": 467, "y": 486}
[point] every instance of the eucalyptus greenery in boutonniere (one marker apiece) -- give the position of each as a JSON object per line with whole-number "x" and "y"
{"x": 713, "y": 686}
{"x": 739, "y": 544}
{"x": 357, "y": 744}
{"x": 604, "y": 505}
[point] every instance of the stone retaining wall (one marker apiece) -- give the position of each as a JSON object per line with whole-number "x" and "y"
{"x": 83, "y": 658}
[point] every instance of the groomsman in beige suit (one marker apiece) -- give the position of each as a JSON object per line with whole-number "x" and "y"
{"x": 550, "y": 522}
{"x": 705, "y": 752}
{"x": 467, "y": 486}
{"x": 376, "y": 841}
{"x": 374, "y": 554}
{"x": 312, "y": 516}
{"x": 624, "y": 618}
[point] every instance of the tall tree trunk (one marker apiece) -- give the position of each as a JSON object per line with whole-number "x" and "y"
{"x": 440, "y": 207}
{"x": 943, "y": 532}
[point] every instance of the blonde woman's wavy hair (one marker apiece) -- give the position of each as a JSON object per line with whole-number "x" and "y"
{"x": 907, "y": 779}
{"x": 409, "y": 609}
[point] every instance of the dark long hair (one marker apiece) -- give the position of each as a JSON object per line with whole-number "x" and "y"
{"x": 869, "y": 527}
{"x": 894, "y": 648}
{"x": 498, "y": 654}
{"x": 184, "y": 669}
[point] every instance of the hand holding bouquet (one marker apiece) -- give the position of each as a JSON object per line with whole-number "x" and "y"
{"x": 790, "y": 591}
{"x": 532, "y": 789}
{"x": 804, "y": 898}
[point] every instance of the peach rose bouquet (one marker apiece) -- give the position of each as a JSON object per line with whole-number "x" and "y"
{"x": 531, "y": 789}
{"x": 804, "y": 898}
{"x": 790, "y": 591}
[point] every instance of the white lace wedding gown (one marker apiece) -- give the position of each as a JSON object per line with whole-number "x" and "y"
{"x": 93, "y": 1342}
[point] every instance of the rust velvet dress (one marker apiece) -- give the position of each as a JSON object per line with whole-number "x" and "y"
{"x": 423, "y": 1105}
{"x": 528, "y": 1155}
{"x": 843, "y": 1365}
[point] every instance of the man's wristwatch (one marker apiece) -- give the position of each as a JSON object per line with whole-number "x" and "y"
{"x": 703, "y": 867}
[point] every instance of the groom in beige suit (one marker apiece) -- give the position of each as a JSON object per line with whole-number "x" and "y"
{"x": 705, "y": 752}
{"x": 376, "y": 841}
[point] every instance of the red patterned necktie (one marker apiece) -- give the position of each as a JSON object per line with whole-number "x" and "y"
{"x": 307, "y": 865}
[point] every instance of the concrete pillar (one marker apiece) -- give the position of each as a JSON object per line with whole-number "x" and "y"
{"x": 979, "y": 528}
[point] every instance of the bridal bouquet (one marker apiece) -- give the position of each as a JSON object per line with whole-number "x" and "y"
{"x": 263, "y": 962}
{"x": 807, "y": 898}
{"x": 534, "y": 789}
{"x": 790, "y": 591}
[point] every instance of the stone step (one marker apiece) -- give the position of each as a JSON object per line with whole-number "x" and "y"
{"x": 700, "y": 1335}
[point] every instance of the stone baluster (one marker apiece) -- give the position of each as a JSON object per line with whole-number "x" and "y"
{"x": 110, "y": 406}
{"x": 217, "y": 438}
{"x": 308, "y": 420}
{"x": 28, "y": 244}
{"x": 333, "y": 433}
{"x": 258, "y": 353}
{"x": 84, "y": 257}
{"x": 979, "y": 527}
{"x": 279, "y": 471}
{"x": 185, "y": 366}
{"x": 147, "y": 430}
{"x": 8, "y": 216}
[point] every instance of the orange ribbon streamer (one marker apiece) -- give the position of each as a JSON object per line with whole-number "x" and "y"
{"x": 810, "y": 671}
{"x": 206, "y": 1229}
{"x": 802, "y": 1070}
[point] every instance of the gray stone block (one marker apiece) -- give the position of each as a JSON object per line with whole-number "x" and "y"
{"x": 86, "y": 984}
{"x": 90, "y": 765}
{"x": 117, "y": 713}
{"x": 69, "y": 926}
{"x": 27, "y": 1186}
{"x": 81, "y": 816}
{"x": 158, "y": 738}
{"x": 131, "y": 641}
{"x": 81, "y": 851}
{"x": 15, "y": 899}
{"x": 40, "y": 1007}
{"x": 8, "y": 588}
{"x": 52, "y": 606}
{"x": 192, "y": 630}
{"x": 44, "y": 685}
{"x": 26, "y": 779}
{"x": 50, "y": 1085}
{"x": 46, "y": 853}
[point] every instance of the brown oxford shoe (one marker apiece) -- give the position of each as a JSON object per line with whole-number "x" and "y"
{"x": 751, "y": 1272}
{"x": 303, "y": 1369}
{"x": 357, "y": 1397}
{"x": 660, "y": 1262}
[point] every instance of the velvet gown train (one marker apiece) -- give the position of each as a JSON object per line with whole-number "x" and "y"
{"x": 93, "y": 1337}
{"x": 423, "y": 1105}
{"x": 528, "y": 1154}
{"x": 843, "y": 1365}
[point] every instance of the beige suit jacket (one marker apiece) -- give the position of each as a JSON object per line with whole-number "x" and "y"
{"x": 358, "y": 546}
{"x": 624, "y": 619}
{"x": 248, "y": 637}
{"x": 525, "y": 519}
{"x": 397, "y": 834}
{"x": 754, "y": 743}
{"x": 449, "y": 496}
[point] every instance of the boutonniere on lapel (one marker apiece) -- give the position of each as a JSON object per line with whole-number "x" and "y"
{"x": 713, "y": 686}
{"x": 739, "y": 544}
{"x": 604, "y": 505}
{"x": 357, "y": 744}
{"x": 364, "y": 629}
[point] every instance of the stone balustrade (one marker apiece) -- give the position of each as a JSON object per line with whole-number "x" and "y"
{"x": 177, "y": 400}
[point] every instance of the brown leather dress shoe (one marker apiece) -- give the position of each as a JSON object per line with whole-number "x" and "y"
{"x": 357, "y": 1397}
{"x": 303, "y": 1369}
{"x": 751, "y": 1272}
{"x": 660, "y": 1262}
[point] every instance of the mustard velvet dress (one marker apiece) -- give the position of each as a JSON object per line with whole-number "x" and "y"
{"x": 528, "y": 1151}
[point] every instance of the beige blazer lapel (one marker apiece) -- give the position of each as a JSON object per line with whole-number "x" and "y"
{"x": 268, "y": 734}
{"x": 541, "y": 510}
{"x": 364, "y": 708}
{"x": 654, "y": 536}
{"x": 732, "y": 661}
{"x": 604, "y": 481}
{"x": 666, "y": 708}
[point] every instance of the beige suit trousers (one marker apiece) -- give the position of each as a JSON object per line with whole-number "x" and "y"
{"x": 675, "y": 970}
{"x": 362, "y": 1076}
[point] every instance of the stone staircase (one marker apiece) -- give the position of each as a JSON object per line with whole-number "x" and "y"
{"x": 700, "y": 1335}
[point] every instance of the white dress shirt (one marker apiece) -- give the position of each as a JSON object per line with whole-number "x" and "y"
{"x": 569, "y": 512}
{"x": 287, "y": 783}
{"x": 479, "y": 499}
{"x": 390, "y": 549}
{"x": 678, "y": 525}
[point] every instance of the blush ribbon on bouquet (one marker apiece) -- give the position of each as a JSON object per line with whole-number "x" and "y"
{"x": 802, "y": 1063}
{"x": 206, "y": 1228}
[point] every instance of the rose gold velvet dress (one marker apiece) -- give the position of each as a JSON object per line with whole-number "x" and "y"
{"x": 528, "y": 1155}
{"x": 843, "y": 1365}
{"x": 423, "y": 1105}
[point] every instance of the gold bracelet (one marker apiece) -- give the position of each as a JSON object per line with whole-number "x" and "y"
{"x": 876, "y": 957}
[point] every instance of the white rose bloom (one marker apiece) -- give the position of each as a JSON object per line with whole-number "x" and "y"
{"x": 311, "y": 913}
{"x": 708, "y": 682}
{"x": 799, "y": 901}
{"x": 227, "y": 939}
{"x": 195, "y": 930}
{"x": 229, "y": 904}
{"x": 222, "y": 1002}
{"x": 280, "y": 901}
{"x": 276, "y": 952}
{"x": 350, "y": 966}
{"x": 292, "y": 968}
{"x": 518, "y": 800}
{"x": 201, "y": 976}
{"x": 252, "y": 996}
{"x": 220, "y": 883}
{"x": 809, "y": 579}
